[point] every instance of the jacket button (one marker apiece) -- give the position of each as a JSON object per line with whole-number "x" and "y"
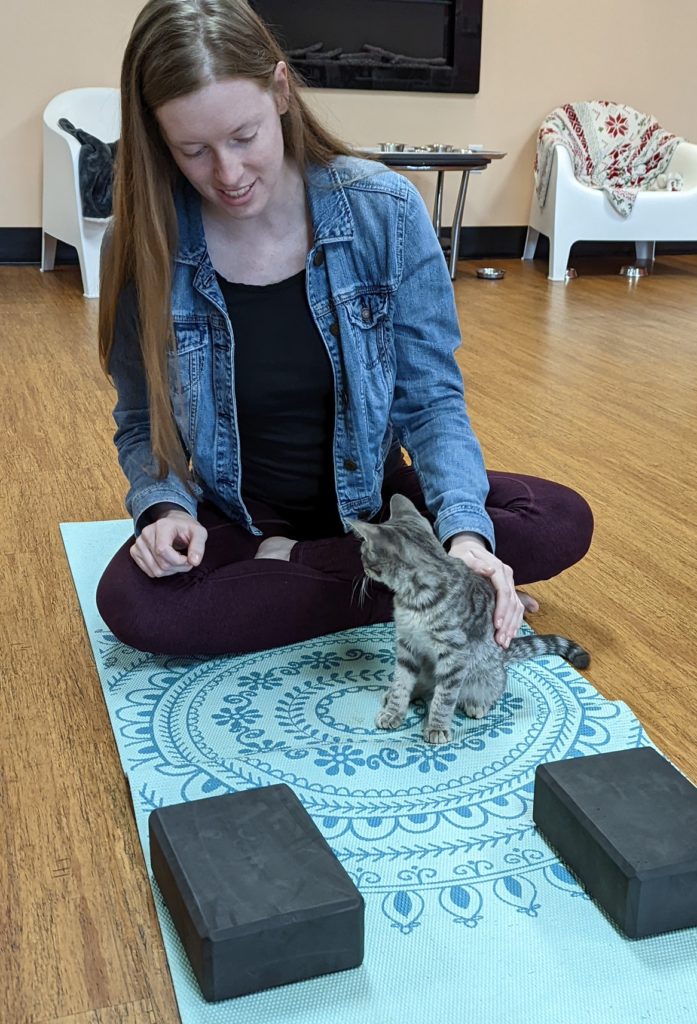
{"x": 334, "y": 329}
{"x": 350, "y": 465}
{"x": 365, "y": 313}
{"x": 318, "y": 258}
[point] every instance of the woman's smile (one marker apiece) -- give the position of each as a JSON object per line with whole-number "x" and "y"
{"x": 238, "y": 196}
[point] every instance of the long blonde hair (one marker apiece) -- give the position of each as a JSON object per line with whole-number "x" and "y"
{"x": 177, "y": 47}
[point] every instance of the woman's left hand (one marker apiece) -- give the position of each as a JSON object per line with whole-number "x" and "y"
{"x": 508, "y": 613}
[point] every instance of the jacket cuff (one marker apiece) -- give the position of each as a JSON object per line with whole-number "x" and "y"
{"x": 139, "y": 504}
{"x": 467, "y": 519}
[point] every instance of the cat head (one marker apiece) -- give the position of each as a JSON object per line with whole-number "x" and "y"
{"x": 396, "y": 551}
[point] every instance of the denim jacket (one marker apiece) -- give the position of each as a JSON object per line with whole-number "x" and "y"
{"x": 381, "y": 297}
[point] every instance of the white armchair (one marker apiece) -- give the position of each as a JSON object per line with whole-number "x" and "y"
{"x": 575, "y": 212}
{"x": 97, "y": 111}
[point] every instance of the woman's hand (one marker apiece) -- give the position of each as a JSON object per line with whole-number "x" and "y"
{"x": 508, "y": 613}
{"x": 173, "y": 543}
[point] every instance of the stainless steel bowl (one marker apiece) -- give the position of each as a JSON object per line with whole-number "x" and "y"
{"x": 490, "y": 273}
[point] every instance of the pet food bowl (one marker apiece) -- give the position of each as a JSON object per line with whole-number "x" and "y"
{"x": 634, "y": 272}
{"x": 490, "y": 273}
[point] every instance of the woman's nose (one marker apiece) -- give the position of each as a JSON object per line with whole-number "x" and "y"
{"x": 228, "y": 169}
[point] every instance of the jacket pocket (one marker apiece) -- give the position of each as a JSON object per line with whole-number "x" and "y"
{"x": 369, "y": 318}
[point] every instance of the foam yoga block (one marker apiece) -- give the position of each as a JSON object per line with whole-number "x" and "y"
{"x": 254, "y": 891}
{"x": 626, "y": 825}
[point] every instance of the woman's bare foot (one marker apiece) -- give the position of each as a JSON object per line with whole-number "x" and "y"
{"x": 528, "y": 602}
{"x": 276, "y": 547}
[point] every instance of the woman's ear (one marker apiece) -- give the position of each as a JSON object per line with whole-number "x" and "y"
{"x": 281, "y": 87}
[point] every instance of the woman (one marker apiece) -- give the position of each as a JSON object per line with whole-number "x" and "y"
{"x": 278, "y": 320}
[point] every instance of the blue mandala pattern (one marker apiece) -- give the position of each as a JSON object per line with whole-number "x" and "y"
{"x": 422, "y": 830}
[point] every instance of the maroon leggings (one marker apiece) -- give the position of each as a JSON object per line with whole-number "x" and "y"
{"x": 233, "y": 603}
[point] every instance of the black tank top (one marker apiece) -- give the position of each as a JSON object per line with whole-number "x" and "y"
{"x": 284, "y": 389}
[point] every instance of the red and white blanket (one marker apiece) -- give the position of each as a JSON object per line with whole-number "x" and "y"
{"x": 613, "y": 147}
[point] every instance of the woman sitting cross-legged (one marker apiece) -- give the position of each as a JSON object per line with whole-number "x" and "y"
{"x": 277, "y": 317}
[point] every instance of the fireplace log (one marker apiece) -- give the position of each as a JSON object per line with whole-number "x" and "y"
{"x": 401, "y": 58}
{"x": 369, "y": 54}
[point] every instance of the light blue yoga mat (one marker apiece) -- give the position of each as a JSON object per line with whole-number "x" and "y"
{"x": 469, "y": 916}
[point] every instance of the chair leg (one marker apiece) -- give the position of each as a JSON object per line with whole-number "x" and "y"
{"x": 530, "y": 244}
{"x": 559, "y": 250}
{"x": 89, "y": 268}
{"x": 645, "y": 251}
{"x": 48, "y": 251}
{"x": 89, "y": 255}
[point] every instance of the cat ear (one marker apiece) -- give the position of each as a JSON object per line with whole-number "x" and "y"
{"x": 400, "y": 505}
{"x": 363, "y": 530}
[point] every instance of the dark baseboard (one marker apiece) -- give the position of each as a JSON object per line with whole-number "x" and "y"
{"x": 483, "y": 243}
{"x": 508, "y": 243}
{"x": 23, "y": 245}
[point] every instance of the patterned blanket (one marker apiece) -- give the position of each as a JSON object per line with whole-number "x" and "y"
{"x": 613, "y": 147}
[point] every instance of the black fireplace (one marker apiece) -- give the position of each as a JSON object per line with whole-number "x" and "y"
{"x": 412, "y": 45}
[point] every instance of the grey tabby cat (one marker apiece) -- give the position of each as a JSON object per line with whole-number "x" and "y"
{"x": 443, "y": 613}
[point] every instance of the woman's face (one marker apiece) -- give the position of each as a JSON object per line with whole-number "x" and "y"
{"x": 226, "y": 139}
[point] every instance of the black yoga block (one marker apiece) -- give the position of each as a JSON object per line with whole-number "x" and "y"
{"x": 626, "y": 825}
{"x": 255, "y": 892}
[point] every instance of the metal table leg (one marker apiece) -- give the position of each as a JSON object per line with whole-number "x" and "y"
{"x": 457, "y": 224}
{"x": 438, "y": 205}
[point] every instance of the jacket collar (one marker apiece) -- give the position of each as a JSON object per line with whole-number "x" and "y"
{"x": 329, "y": 208}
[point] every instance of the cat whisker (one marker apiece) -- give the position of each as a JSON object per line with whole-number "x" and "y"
{"x": 359, "y": 583}
{"x": 363, "y": 584}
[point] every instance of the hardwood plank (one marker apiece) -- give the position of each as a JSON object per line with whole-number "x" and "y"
{"x": 593, "y": 383}
{"x": 80, "y": 921}
{"x": 139, "y": 1012}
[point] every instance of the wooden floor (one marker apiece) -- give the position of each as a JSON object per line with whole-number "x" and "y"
{"x": 593, "y": 383}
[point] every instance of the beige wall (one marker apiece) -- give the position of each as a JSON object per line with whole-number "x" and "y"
{"x": 535, "y": 55}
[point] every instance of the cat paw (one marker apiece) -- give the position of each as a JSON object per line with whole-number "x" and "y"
{"x": 389, "y": 719}
{"x": 475, "y": 710}
{"x": 437, "y": 735}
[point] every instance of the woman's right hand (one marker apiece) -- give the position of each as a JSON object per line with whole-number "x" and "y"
{"x": 173, "y": 543}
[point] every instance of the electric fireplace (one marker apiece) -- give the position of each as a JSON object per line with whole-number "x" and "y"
{"x": 410, "y": 45}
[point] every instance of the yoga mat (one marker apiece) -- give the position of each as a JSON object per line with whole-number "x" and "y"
{"x": 469, "y": 915}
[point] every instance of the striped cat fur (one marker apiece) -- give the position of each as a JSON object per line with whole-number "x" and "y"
{"x": 443, "y": 613}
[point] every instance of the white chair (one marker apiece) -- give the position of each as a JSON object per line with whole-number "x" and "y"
{"x": 97, "y": 111}
{"x": 574, "y": 212}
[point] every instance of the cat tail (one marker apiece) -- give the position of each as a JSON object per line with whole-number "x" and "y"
{"x": 532, "y": 646}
